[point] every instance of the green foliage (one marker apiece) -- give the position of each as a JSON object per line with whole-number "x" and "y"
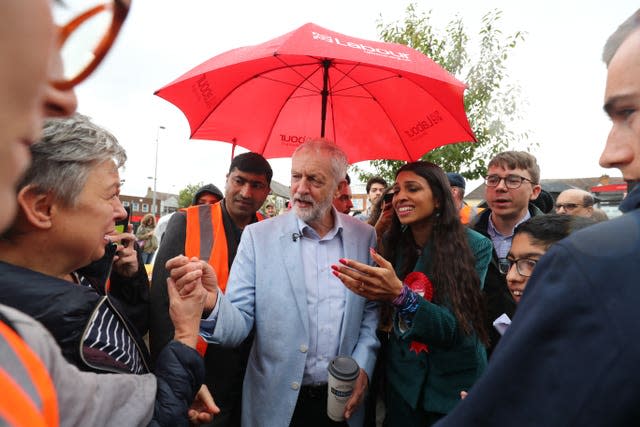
{"x": 185, "y": 197}
{"x": 491, "y": 103}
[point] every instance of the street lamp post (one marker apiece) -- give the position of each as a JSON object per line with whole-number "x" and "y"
{"x": 155, "y": 173}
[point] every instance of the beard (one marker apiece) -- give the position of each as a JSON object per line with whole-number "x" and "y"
{"x": 312, "y": 213}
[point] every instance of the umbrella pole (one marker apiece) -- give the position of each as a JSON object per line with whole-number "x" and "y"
{"x": 325, "y": 94}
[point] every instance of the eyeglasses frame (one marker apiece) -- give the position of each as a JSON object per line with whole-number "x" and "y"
{"x": 567, "y": 208}
{"x": 522, "y": 179}
{"x": 502, "y": 262}
{"x": 120, "y": 11}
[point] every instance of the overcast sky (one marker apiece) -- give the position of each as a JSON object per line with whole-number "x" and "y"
{"x": 557, "y": 67}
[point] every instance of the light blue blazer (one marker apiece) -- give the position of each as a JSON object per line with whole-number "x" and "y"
{"x": 266, "y": 291}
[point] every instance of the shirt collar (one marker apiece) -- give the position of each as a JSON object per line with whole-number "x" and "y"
{"x": 493, "y": 232}
{"x": 308, "y": 231}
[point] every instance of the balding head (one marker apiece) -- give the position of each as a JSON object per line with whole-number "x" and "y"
{"x": 575, "y": 202}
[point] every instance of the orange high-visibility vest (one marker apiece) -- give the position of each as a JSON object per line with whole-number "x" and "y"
{"x": 206, "y": 240}
{"x": 468, "y": 213}
{"x": 28, "y": 395}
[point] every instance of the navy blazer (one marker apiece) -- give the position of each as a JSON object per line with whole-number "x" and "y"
{"x": 571, "y": 355}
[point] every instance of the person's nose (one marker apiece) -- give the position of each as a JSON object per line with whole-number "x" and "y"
{"x": 561, "y": 210}
{"x": 58, "y": 102}
{"x": 512, "y": 274}
{"x": 617, "y": 152}
{"x": 303, "y": 186}
{"x": 350, "y": 204}
{"x": 502, "y": 185}
{"x": 246, "y": 191}
{"x": 119, "y": 210}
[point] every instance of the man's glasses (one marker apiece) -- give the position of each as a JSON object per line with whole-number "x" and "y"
{"x": 85, "y": 40}
{"x": 567, "y": 206}
{"x": 510, "y": 181}
{"x": 524, "y": 266}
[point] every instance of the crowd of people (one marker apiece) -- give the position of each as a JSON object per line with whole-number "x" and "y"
{"x": 507, "y": 315}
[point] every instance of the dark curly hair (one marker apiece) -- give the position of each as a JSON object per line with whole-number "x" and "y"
{"x": 454, "y": 277}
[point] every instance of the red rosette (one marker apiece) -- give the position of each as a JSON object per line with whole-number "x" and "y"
{"x": 419, "y": 283}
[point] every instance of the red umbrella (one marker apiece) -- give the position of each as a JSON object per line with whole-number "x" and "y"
{"x": 376, "y": 100}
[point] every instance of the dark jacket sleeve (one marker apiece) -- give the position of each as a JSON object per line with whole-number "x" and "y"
{"x": 161, "y": 329}
{"x": 180, "y": 373}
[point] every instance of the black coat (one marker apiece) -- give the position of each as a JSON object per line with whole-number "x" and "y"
{"x": 570, "y": 357}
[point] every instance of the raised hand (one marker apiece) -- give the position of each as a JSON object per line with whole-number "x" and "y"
{"x": 125, "y": 262}
{"x": 186, "y": 311}
{"x": 189, "y": 273}
{"x": 374, "y": 283}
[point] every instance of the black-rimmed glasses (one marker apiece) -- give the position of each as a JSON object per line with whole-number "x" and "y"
{"x": 524, "y": 266}
{"x": 510, "y": 181}
{"x": 85, "y": 40}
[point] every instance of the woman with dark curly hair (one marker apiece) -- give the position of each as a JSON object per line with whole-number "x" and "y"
{"x": 433, "y": 279}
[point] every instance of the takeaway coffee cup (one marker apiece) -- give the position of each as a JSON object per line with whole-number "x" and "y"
{"x": 343, "y": 372}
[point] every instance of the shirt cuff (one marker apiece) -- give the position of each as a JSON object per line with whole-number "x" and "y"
{"x": 208, "y": 324}
{"x": 406, "y": 304}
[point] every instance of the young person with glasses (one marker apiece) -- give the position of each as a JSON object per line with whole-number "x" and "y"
{"x": 531, "y": 240}
{"x": 511, "y": 186}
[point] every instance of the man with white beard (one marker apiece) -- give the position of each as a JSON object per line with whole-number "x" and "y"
{"x": 281, "y": 284}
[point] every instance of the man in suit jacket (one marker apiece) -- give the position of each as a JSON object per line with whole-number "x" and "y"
{"x": 570, "y": 357}
{"x": 281, "y": 285}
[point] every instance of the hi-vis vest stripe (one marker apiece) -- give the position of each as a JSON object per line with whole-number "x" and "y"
{"x": 206, "y": 240}
{"x": 28, "y": 395}
{"x": 468, "y": 213}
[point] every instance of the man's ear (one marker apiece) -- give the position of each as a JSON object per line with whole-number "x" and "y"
{"x": 340, "y": 187}
{"x": 535, "y": 192}
{"x": 36, "y": 207}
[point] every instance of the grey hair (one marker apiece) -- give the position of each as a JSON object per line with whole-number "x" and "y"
{"x": 69, "y": 149}
{"x": 619, "y": 36}
{"x": 339, "y": 163}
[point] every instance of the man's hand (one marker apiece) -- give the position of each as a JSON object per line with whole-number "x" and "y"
{"x": 190, "y": 273}
{"x": 125, "y": 262}
{"x": 186, "y": 312}
{"x": 359, "y": 392}
{"x": 203, "y": 408}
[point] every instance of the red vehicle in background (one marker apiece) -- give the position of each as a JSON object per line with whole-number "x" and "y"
{"x": 609, "y": 197}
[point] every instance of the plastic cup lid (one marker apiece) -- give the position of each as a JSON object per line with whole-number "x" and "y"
{"x": 344, "y": 368}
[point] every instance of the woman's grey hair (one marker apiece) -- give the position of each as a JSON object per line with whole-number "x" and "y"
{"x": 339, "y": 163}
{"x": 65, "y": 155}
{"x": 619, "y": 36}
